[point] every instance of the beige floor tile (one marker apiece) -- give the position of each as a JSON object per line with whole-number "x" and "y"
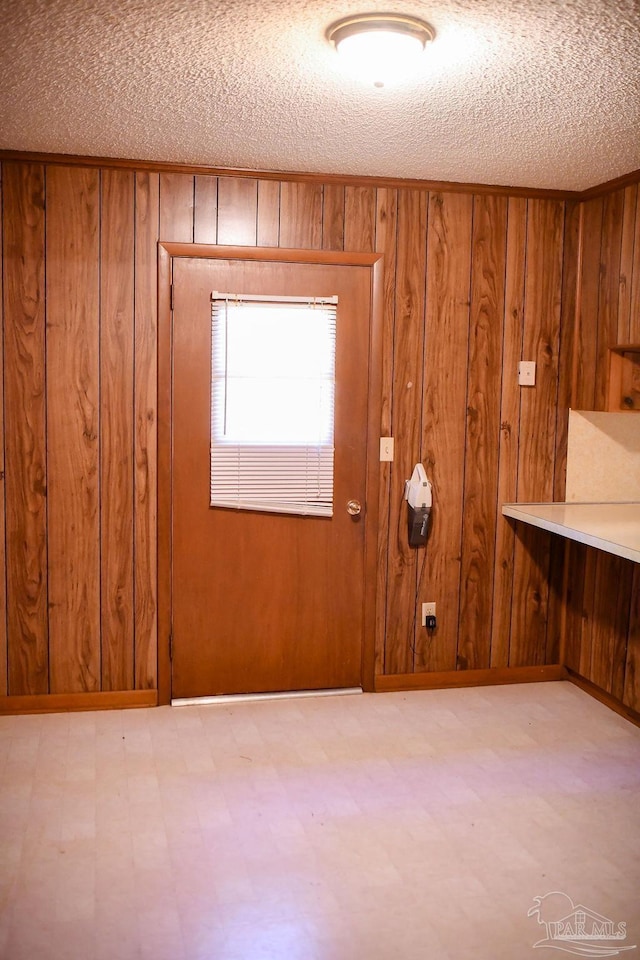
{"x": 387, "y": 827}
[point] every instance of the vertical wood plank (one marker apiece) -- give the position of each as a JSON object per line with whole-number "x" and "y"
{"x": 608, "y": 293}
{"x": 621, "y": 636}
{"x": 538, "y": 405}
{"x": 488, "y": 261}
{"x": 72, "y": 249}
{"x": 301, "y": 215}
{"x": 268, "y": 213}
{"x": 629, "y": 227}
{"x": 541, "y": 340}
{"x": 610, "y": 619}
{"x": 333, "y": 217}
{"x": 588, "y": 606}
{"x": 408, "y": 372}
{"x": 25, "y": 428}
{"x": 574, "y": 600}
{"x": 386, "y": 243}
{"x": 509, "y": 428}
{"x": 176, "y": 207}
{"x": 3, "y": 557}
{"x": 634, "y": 310}
{"x": 360, "y": 218}
{"x": 205, "y": 211}
{"x": 567, "y": 344}
{"x": 145, "y": 427}
{"x": 237, "y": 211}
{"x": 555, "y": 614}
{"x": 444, "y": 404}
{"x": 571, "y": 244}
{"x": 631, "y": 696}
{"x": 116, "y": 433}
{"x": 587, "y": 321}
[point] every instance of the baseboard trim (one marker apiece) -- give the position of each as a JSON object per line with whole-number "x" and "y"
{"x": 65, "y": 702}
{"x": 606, "y": 698}
{"x": 468, "y": 678}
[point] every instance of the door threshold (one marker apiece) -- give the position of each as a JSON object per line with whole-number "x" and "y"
{"x": 248, "y": 697}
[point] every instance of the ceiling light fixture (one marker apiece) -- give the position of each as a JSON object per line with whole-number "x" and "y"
{"x": 380, "y": 47}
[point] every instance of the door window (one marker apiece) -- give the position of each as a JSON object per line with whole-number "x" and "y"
{"x": 272, "y": 403}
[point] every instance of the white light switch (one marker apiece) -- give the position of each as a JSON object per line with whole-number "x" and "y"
{"x": 527, "y": 373}
{"x": 386, "y": 449}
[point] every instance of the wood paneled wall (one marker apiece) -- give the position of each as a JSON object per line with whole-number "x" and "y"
{"x": 473, "y": 283}
{"x": 79, "y": 263}
{"x": 603, "y": 599}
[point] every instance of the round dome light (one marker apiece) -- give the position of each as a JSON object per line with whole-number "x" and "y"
{"x": 380, "y": 48}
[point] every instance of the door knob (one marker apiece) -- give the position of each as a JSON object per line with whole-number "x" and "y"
{"x": 354, "y": 508}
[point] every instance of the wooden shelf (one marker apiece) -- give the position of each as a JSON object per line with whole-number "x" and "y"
{"x": 624, "y": 378}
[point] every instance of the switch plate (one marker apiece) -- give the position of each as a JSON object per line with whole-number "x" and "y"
{"x": 386, "y": 449}
{"x": 527, "y": 373}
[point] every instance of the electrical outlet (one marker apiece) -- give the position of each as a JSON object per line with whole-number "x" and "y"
{"x": 428, "y": 610}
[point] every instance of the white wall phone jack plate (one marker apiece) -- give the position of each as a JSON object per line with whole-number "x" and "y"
{"x": 527, "y": 373}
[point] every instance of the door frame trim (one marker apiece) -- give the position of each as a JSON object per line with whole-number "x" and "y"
{"x": 167, "y": 252}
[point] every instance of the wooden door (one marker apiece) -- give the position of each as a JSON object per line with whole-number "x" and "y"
{"x": 266, "y": 602}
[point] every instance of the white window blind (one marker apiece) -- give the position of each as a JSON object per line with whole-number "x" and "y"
{"x": 272, "y": 403}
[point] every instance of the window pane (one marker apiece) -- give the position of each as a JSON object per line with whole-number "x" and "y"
{"x": 266, "y": 410}
{"x": 277, "y": 340}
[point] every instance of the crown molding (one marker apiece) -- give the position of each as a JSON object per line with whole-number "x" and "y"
{"x": 436, "y": 186}
{"x": 626, "y": 180}
{"x": 349, "y": 180}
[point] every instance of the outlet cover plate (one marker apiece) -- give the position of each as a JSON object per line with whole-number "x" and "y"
{"x": 428, "y": 610}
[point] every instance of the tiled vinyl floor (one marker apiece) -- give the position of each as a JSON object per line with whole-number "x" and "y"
{"x": 412, "y": 826}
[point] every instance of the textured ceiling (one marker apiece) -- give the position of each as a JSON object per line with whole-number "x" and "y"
{"x": 542, "y": 93}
